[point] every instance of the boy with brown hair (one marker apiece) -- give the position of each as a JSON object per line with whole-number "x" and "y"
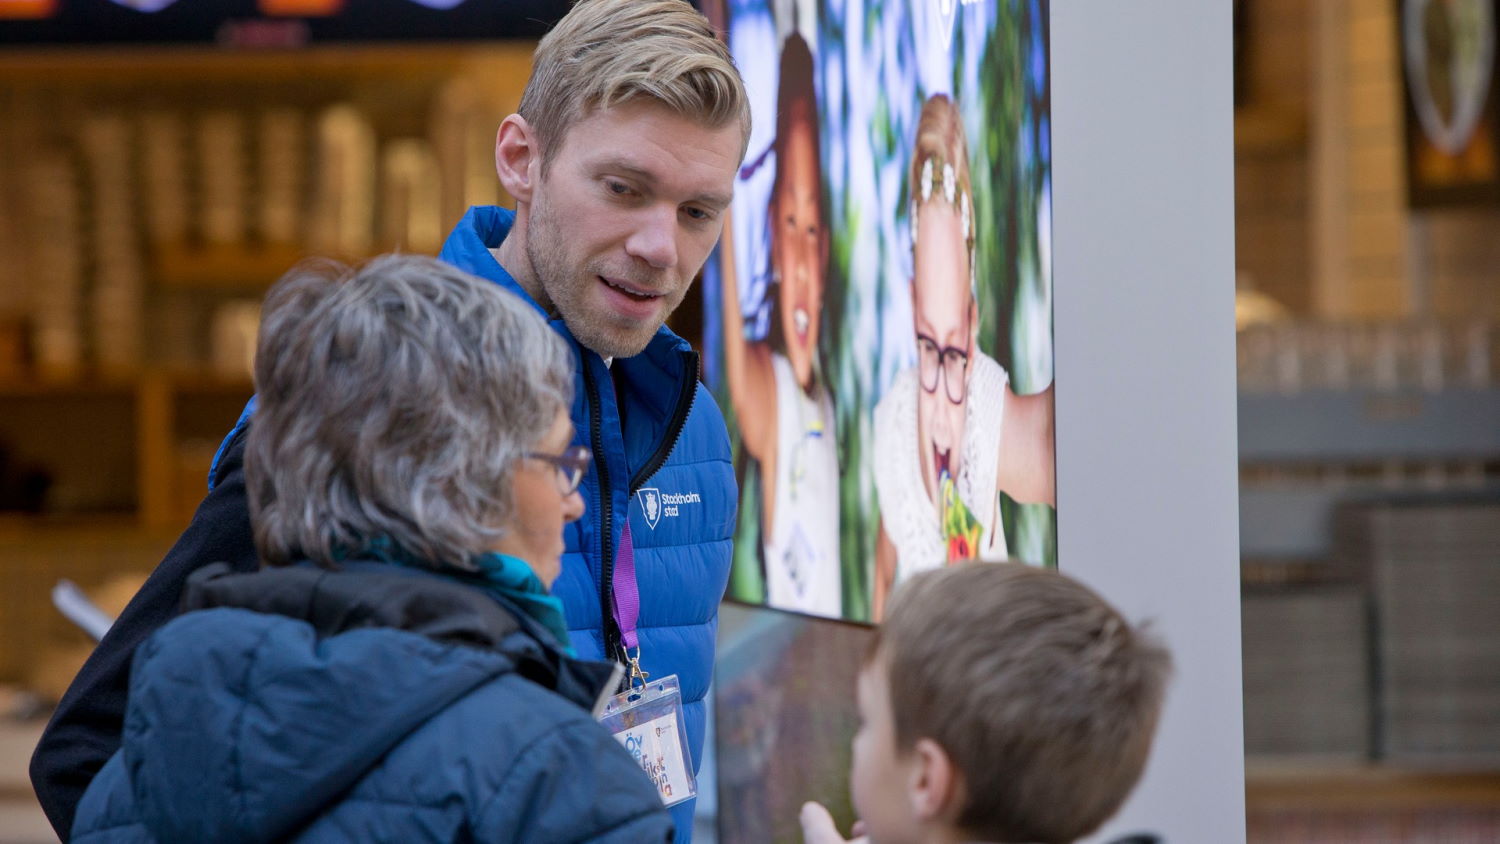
{"x": 999, "y": 703}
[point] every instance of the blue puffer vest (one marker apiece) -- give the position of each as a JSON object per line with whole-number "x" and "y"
{"x": 664, "y": 463}
{"x": 662, "y": 460}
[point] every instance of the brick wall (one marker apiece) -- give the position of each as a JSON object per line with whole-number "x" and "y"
{"x": 1462, "y": 262}
{"x": 1365, "y": 253}
{"x": 1272, "y": 173}
{"x": 1322, "y": 223}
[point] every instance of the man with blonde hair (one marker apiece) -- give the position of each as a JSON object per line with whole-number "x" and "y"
{"x": 621, "y": 159}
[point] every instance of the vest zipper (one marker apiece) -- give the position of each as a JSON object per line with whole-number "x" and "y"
{"x": 687, "y": 392}
{"x": 610, "y": 627}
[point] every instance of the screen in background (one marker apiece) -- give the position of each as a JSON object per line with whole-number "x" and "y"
{"x": 878, "y": 325}
{"x": 784, "y": 717}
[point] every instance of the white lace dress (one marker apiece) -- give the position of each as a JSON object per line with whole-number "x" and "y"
{"x": 909, "y": 515}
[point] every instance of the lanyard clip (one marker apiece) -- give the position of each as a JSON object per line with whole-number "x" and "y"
{"x": 636, "y": 672}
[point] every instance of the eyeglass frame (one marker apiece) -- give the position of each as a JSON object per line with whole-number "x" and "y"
{"x": 571, "y": 465}
{"x": 943, "y": 354}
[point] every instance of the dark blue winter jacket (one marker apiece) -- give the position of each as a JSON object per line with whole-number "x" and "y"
{"x": 370, "y": 704}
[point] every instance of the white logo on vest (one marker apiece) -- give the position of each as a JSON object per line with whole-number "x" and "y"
{"x": 656, "y": 505}
{"x": 651, "y": 506}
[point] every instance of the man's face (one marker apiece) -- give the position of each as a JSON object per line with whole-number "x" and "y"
{"x": 797, "y": 245}
{"x": 879, "y": 773}
{"x": 944, "y": 313}
{"x": 624, "y": 217}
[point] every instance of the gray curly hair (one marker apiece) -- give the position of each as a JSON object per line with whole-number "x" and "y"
{"x": 394, "y": 401}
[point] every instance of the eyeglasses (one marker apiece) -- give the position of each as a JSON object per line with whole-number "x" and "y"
{"x": 949, "y": 363}
{"x": 570, "y": 466}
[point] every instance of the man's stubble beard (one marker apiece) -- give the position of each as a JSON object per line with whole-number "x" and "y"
{"x": 567, "y": 295}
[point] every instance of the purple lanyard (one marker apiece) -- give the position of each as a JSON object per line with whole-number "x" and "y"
{"x": 627, "y": 593}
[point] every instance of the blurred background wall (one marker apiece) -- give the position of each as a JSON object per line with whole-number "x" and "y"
{"x": 156, "y": 196}
{"x": 1369, "y": 418}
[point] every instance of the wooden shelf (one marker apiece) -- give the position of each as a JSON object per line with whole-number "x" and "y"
{"x": 1271, "y": 784}
{"x": 65, "y": 387}
{"x": 73, "y": 527}
{"x": 1269, "y": 130}
{"x": 171, "y": 453}
{"x": 124, "y": 63}
{"x": 205, "y": 381}
{"x": 187, "y": 380}
{"x": 247, "y": 269}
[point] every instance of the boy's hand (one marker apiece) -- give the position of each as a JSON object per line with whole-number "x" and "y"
{"x": 818, "y": 828}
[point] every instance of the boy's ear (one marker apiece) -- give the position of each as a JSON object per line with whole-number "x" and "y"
{"x": 936, "y": 787}
{"x": 517, "y": 157}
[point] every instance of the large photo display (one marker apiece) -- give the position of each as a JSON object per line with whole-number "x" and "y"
{"x": 878, "y": 322}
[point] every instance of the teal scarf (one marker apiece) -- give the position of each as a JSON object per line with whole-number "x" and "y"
{"x": 513, "y": 578}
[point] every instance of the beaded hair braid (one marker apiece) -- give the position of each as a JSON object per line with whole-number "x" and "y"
{"x": 939, "y": 136}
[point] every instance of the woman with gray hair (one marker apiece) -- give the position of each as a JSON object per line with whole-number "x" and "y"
{"x": 398, "y": 671}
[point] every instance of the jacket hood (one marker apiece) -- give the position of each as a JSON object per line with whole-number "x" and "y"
{"x": 246, "y": 720}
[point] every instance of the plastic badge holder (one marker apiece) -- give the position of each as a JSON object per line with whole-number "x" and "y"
{"x": 647, "y": 720}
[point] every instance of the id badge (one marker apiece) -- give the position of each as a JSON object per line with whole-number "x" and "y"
{"x": 647, "y": 721}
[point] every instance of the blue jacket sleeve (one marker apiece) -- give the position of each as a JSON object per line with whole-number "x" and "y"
{"x": 85, "y": 729}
